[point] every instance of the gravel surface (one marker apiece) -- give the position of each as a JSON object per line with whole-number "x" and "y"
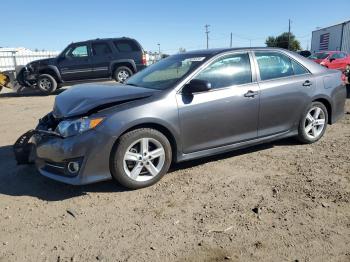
{"x": 280, "y": 201}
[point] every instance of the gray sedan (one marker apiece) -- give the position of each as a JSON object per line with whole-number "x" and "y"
{"x": 186, "y": 106}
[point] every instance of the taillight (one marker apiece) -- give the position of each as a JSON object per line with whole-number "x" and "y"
{"x": 144, "y": 60}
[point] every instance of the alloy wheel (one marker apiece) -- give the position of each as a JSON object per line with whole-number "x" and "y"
{"x": 123, "y": 75}
{"x": 314, "y": 122}
{"x": 144, "y": 159}
{"x": 45, "y": 84}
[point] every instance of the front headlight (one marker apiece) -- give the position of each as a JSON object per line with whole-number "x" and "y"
{"x": 68, "y": 128}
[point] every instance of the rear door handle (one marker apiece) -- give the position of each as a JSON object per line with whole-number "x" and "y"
{"x": 307, "y": 83}
{"x": 251, "y": 93}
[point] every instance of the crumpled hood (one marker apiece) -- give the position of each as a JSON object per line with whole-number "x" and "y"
{"x": 80, "y": 99}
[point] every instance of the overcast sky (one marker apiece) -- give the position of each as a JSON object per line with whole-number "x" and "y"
{"x": 51, "y": 25}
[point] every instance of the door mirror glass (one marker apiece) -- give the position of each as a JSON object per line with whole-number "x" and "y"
{"x": 197, "y": 86}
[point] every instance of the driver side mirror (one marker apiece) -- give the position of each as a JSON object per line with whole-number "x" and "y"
{"x": 197, "y": 86}
{"x": 331, "y": 59}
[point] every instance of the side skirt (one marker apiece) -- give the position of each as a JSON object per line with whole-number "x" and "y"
{"x": 231, "y": 147}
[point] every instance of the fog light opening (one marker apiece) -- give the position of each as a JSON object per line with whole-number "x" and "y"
{"x": 73, "y": 167}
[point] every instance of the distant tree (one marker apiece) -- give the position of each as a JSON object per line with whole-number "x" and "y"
{"x": 282, "y": 41}
{"x": 271, "y": 41}
{"x": 182, "y": 50}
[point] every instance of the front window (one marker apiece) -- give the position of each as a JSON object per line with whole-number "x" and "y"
{"x": 167, "y": 72}
{"x": 78, "y": 51}
{"x": 321, "y": 55}
{"x": 228, "y": 71}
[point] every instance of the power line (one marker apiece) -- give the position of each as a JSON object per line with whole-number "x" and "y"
{"x": 207, "y": 33}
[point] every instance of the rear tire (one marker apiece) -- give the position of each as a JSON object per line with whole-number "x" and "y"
{"x": 313, "y": 124}
{"x": 140, "y": 158}
{"x": 122, "y": 73}
{"x": 46, "y": 84}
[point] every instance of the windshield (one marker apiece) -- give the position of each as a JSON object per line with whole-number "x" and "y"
{"x": 319, "y": 55}
{"x": 167, "y": 72}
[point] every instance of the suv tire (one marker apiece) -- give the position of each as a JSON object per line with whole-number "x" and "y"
{"x": 122, "y": 73}
{"x": 46, "y": 83}
{"x": 140, "y": 158}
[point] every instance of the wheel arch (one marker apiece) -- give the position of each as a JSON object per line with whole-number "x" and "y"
{"x": 123, "y": 62}
{"x": 328, "y": 106}
{"x": 53, "y": 71}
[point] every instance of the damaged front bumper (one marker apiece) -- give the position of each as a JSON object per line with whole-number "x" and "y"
{"x": 77, "y": 160}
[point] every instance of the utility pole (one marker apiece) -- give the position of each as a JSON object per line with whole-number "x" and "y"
{"x": 231, "y": 40}
{"x": 159, "y": 51}
{"x": 288, "y": 34}
{"x": 207, "y": 33}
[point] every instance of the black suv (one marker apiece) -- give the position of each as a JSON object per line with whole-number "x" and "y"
{"x": 116, "y": 58}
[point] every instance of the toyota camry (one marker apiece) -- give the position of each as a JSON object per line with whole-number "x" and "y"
{"x": 186, "y": 106}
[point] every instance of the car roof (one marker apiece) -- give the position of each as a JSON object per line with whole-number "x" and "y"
{"x": 104, "y": 39}
{"x": 216, "y": 51}
{"x": 309, "y": 64}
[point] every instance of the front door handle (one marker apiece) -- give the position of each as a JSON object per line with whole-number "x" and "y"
{"x": 307, "y": 83}
{"x": 251, "y": 93}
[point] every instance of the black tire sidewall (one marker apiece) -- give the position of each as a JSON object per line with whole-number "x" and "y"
{"x": 120, "y": 68}
{"x": 118, "y": 152}
{"x": 51, "y": 79}
{"x": 302, "y": 137}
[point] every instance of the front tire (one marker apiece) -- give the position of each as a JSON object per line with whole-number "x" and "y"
{"x": 46, "y": 84}
{"x": 313, "y": 124}
{"x": 122, "y": 73}
{"x": 140, "y": 158}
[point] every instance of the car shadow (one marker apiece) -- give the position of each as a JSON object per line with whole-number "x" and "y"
{"x": 25, "y": 180}
{"x": 238, "y": 152}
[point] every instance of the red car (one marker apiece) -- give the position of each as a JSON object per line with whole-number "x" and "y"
{"x": 332, "y": 59}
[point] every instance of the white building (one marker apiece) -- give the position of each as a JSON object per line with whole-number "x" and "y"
{"x": 332, "y": 38}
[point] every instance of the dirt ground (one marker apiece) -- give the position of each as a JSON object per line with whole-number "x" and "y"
{"x": 276, "y": 202}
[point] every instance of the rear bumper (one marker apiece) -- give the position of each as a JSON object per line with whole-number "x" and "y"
{"x": 338, "y": 100}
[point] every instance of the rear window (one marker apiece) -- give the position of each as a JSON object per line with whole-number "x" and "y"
{"x": 273, "y": 65}
{"x": 126, "y": 46}
{"x": 101, "y": 49}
